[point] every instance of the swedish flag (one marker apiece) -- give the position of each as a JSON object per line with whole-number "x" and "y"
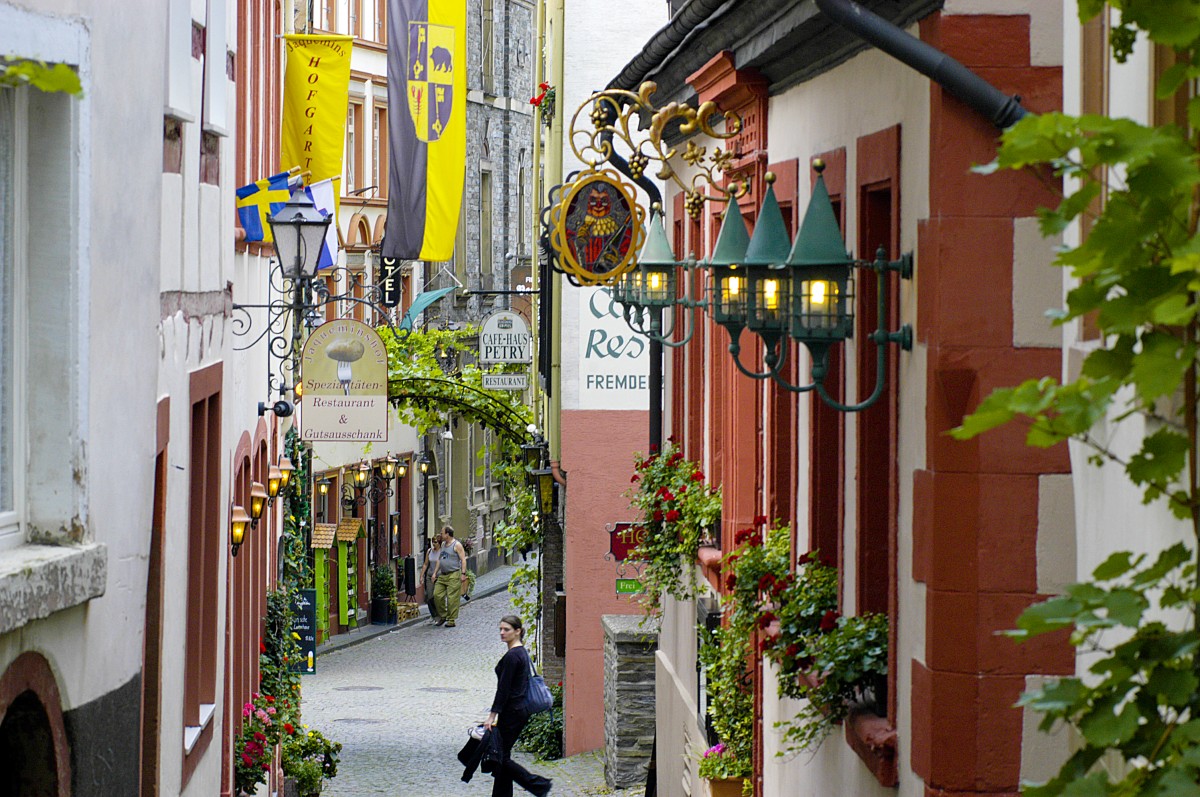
{"x": 257, "y": 201}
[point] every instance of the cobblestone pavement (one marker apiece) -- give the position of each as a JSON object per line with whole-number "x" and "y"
{"x": 400, "y": 704}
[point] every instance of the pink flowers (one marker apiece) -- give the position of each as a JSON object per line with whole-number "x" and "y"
{"x": 716, "y": 749}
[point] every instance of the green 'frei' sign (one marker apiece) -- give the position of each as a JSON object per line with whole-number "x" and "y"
{"x": 628, "y": 586}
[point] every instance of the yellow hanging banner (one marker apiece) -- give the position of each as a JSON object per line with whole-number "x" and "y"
{"x": 316, "y": 93}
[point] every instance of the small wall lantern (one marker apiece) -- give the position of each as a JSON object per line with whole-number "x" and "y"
{"x": 238, "y": 520}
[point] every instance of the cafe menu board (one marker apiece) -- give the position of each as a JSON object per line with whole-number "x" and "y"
{"x": 304, "y": 629}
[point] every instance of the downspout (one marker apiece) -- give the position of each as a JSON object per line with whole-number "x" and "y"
{"x": 555, "y": 22}
{"x": 981, "y": 96}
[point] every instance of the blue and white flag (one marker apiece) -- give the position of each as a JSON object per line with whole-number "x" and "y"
{"x": 324, "y": 199}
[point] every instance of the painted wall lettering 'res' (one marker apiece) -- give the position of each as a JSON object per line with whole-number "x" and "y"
{"x": 614, "y": 366}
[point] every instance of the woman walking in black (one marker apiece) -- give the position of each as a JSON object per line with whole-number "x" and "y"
{"x": 509, "y": 715}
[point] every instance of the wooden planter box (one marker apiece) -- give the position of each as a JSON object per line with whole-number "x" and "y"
{"x": 727, "y": 787}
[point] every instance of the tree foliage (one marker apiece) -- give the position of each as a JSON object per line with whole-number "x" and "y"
{"x": 1136, "y": 273}
{"x": 45, "y": 77}
{"x": 424, "y": 395}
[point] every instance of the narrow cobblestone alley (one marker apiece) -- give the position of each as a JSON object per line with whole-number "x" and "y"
{"x": 401, "y": 703}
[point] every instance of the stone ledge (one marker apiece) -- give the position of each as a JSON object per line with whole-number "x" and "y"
{"x": 38, "y": 580}
{"x": 874, "y": 739}
{"x": 628, "y": 628}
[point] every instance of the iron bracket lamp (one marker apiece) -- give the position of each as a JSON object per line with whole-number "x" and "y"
{"x": 657, "y": 285}
{"x": 785, "y": 293}
{"x": 299, "y": 291}
{"x": 369, "y": 485}
{"x": 258, "y": 502}
{"x": 547, "y": 495}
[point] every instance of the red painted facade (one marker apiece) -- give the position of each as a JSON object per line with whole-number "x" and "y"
{"x": 974, "y": 523}
{"x": 597, "y": 448}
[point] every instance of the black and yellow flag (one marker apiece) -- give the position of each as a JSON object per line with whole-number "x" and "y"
{"x": 427, "y": 92}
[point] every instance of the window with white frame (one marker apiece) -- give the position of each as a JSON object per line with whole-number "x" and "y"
{"x": 42, "y": 351}
{"x": 379, "y": 148}
{"x": 353, "y": 156}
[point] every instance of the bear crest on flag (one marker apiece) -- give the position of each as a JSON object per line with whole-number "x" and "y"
{"x": 430, "y": 75}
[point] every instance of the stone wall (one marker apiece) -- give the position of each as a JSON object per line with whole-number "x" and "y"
{"x": 628, "y": 698}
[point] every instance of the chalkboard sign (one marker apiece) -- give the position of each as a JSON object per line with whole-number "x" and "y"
{"x": 304, "y": 625}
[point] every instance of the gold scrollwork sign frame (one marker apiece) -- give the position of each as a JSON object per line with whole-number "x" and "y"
{"x": 598, "y": 227}
{"x": 613, "y": 131}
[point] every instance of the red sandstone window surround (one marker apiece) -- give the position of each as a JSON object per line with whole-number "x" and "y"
{"x": 204, "y": 549}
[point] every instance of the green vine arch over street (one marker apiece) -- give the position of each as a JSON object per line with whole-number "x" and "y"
{"x": 475, "y": 404}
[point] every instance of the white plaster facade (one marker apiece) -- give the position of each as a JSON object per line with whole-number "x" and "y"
{"x": 86, "y": 390}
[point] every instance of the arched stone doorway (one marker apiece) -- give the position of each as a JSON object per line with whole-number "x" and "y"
{"x": 33, "y": 743}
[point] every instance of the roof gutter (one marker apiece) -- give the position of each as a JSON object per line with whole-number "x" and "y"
{"x": 1002, "y": 110}
{"x": 981, "y": 96}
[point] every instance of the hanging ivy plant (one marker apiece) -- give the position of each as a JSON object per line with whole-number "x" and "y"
{"x": 677, "y": 508}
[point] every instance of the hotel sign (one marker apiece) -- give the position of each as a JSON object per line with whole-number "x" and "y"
{"x": 505, "y": 338}
{"x": 624, "y": 538}
{"x": 344, "y": 370}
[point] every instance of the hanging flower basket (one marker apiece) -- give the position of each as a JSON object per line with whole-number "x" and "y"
{"x": 544, "y": 102}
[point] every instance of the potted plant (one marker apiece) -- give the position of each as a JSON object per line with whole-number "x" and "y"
{"x": 724, "y": 770}
{"x": 308, "y": 758}
{"x": 383, "y": 595}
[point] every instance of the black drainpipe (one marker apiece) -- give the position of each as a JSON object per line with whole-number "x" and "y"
{"x": 970, "y": 88}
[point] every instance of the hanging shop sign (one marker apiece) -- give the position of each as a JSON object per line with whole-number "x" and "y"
{"x": 504, "y": 338}
{"x": 623, "y": 538}
{"x": 506, "y": 381}
{"x": 344, "y": 367}
{"x": 597, "y": 228}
